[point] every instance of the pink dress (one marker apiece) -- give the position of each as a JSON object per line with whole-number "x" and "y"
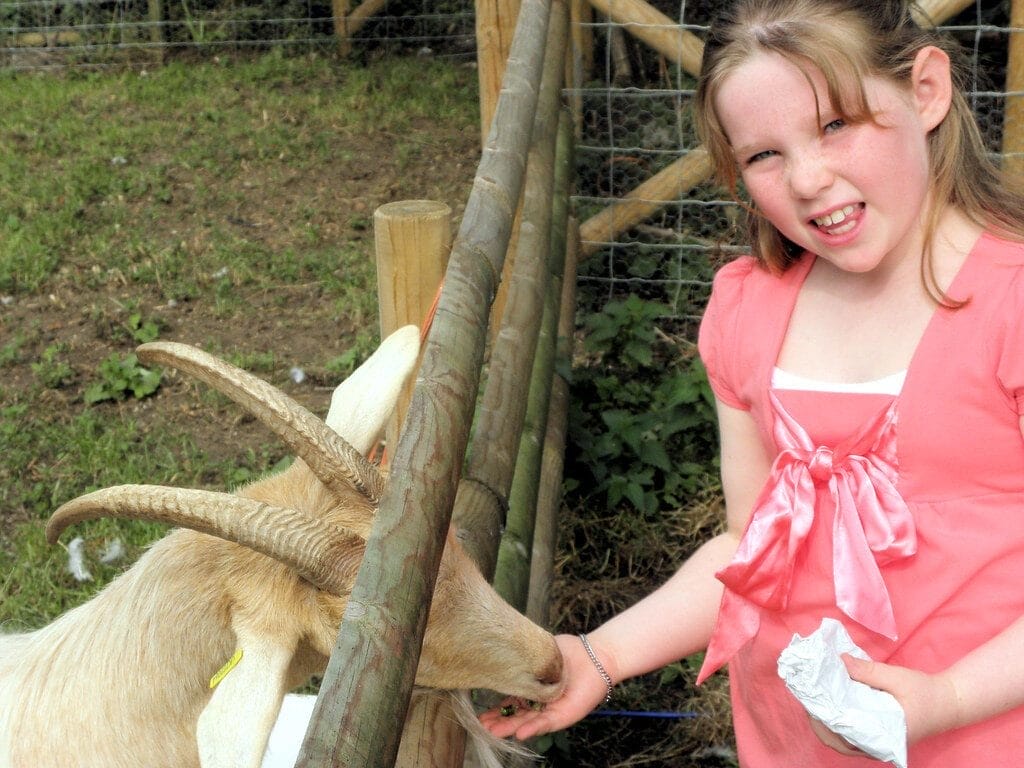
{"x": 902, "y": 517}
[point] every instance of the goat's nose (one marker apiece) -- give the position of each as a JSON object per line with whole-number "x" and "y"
{"x": 551, "y": 674}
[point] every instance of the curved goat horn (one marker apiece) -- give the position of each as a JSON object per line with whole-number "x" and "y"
{"x": 325, "y": 555}
{"x": 330, "y": 457}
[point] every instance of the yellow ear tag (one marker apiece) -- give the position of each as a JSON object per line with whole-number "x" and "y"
{"x": 223, "y": 671}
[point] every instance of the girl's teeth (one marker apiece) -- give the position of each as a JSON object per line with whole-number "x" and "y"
{"x": 835, "y": 217}
{"x": 843, "y": 229}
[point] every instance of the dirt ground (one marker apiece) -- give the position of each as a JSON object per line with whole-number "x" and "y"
{"x": 84, "y": 311}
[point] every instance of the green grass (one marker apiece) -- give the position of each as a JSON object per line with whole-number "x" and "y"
{"x": 210, "y": 186}
{"x": 92, "y": 160}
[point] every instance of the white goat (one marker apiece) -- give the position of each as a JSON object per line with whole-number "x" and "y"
{"x": 125, "y": 679}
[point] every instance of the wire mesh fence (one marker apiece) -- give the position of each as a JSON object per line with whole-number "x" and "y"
{"x": 635, "y": 120}
{"x": 632, "y": 102}
{"x": 36, "y": 34}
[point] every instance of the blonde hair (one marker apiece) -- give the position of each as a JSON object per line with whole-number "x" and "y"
{"x": 847, "y": 41}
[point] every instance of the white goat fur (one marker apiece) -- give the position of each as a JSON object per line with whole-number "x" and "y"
{"x": 123, "y": 680}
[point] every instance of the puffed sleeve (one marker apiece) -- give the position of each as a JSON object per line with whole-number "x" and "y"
{"x": 717, "y": 340}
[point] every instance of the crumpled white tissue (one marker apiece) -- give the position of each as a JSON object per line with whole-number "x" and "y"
{"x": 870, "y": 719}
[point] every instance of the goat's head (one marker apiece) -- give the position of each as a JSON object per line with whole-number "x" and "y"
{"x": 473, "y": 637}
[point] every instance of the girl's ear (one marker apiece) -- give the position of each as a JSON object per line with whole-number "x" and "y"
{"x": 931, "y": 85}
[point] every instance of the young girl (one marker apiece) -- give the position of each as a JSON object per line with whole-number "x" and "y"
{"x": 868, "y": 362}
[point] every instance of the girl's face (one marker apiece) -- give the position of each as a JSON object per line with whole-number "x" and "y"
{"x": 853, "y": 194}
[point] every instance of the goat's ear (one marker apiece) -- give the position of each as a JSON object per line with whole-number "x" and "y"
{"x": 234, "y": 727}
{"x": 363, "y": 403}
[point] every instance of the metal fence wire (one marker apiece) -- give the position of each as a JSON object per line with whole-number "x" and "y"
{"x": 632, "y": 103}
{"x": 636, "y": 120}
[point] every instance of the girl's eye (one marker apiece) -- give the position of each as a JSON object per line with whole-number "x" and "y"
{"x": 834, "y": 126}
{"x": 760, "y": 156}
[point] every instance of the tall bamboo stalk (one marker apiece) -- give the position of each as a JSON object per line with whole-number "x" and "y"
{"x": 1013, "y": 116}
{"x": 495, "y": 25}
{"x": 549, "y": 495}
{"x": 365, "y": 692}
{"x": 482, "y": 497}
{"x": 515, "y": 555}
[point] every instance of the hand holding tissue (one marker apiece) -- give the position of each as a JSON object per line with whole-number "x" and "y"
{"x": 813, "y": 671}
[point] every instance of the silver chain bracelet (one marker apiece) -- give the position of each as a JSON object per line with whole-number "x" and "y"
{"x": 599, "y": 666}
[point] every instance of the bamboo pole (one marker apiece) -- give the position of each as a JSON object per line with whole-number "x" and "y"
{"x": 495, "y": 20}
{"x": 579, "y": 66}
{"x": 481, "y": 502}
{"x": 549, "y": 494}
{"x": 365, "y": 693}
{"x": 495, "y": 24}
{"x": 581, "y": 16}
{"x": 1013, "y": 117}
{"x": 440, "y": 741}
{"x": 512, "y": 576}
{"x": 689, "y": 170}
{"x": 412, "y": 240}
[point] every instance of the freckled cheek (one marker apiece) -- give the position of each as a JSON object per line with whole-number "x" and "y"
{"x": 771, "y": 198}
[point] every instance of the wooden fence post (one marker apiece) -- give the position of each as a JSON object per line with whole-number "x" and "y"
{"x": 339, "y": 9}
{"x": 413, "y": 239}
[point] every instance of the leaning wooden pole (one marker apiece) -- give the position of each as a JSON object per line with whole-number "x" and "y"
{"x": 483, "y": 494}
{"x": 495, "y": 25}
{"x": 365, "y": 693}
{"x": 549, "y": 494}
{"x": 648, "y": 24}
{"x": 694, "y": 168}
{"x": 670, "y": 183}
{"x": 515, "y": 554}
{"x": 1013, "y": 116}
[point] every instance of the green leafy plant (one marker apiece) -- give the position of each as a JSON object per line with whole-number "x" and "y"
{"x": 51, "y": 371}
{"x": 642, "y": 425}
{"x": 142, "y": 330}
{"x": 121, "y": 377}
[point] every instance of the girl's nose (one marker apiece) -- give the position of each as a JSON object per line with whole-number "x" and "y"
{"x": 809, "y": 174}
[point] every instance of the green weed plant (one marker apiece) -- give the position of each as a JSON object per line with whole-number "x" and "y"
{"x": 642, "y": 424}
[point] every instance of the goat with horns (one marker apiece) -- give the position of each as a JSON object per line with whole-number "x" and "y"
{"x": 125, "y": 679}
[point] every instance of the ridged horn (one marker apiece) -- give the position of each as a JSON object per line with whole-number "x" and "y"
{"x": 328, "y": 455}
{"x": 325, "y": 555}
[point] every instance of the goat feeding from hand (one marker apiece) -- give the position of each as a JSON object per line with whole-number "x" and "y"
{"x": 125, "y": 679}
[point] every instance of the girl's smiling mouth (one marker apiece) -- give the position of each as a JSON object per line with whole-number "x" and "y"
{"x": 838, "y": 222}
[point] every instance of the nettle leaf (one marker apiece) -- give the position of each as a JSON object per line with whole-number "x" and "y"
{"x": 653, "y": 453}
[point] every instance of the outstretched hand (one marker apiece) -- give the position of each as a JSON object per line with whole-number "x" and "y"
{"x": 584, "y": 690}
{"x": 929, "y": 701}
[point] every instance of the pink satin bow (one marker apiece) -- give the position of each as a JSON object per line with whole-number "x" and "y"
{"x": 871, "y": 526}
